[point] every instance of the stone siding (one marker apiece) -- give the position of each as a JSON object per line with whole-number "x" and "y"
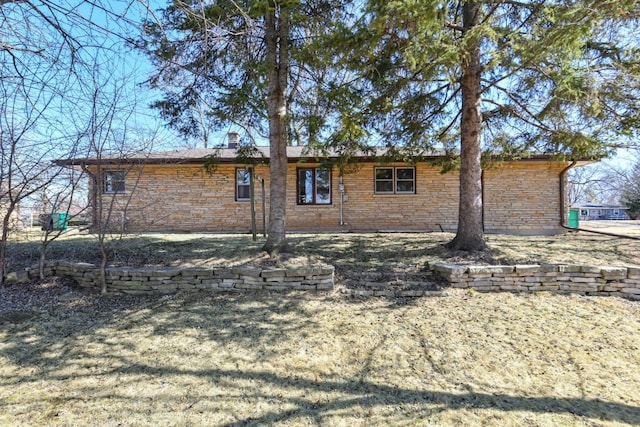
{"x": 523, "y": 198}
{"x": 520, "y": 197}
{"x": 579, "y": 279}
{"x": 141, "y": 281}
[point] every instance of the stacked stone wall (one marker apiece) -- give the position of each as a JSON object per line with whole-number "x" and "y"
{"x": 125, "y": 280}
{"x": 564, "y": 279}
{"x": 579, "y": 279}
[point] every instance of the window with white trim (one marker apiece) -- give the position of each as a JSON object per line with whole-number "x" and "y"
{"x": 113, "y": 182}
{"x": 395, "y": 180}
{"x": 243, "y": 190}
{"x": 313, "y": 186}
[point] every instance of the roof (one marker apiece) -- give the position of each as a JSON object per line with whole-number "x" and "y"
{"x": 230, "y": 156}
{"x": 596, "y": 206}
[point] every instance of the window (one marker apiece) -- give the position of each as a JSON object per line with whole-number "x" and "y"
{"x": 395, "y": 180}
{"x": 314, "y": 186}
{"x": 114, "y": 182}
{"x": 584, "y": 212}
{"x": 243, "y": 193}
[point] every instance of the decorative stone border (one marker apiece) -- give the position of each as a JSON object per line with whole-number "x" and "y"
{"x": 579, "y": 279}
{"x": 584, "y": 280}
{"x": 162, "y": 280}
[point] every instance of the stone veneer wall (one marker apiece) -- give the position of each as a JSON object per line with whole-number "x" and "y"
{"x": 585, "y": 280}
{"x": 142, "y": 281}
{"x": 520, "y": 197}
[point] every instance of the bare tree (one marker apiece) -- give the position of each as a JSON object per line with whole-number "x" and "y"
{"x": 113, "y": 179}
{"x": 588, "y": 184}
{"x": 60, "y": 197}
{"x": 24, "y": 153}
{"x": 607, "y": 182}
{"x": 53, "y": 57}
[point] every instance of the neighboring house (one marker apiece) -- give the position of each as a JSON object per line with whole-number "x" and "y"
{"x": 172, "y": 191}
{"x": 588, "y": 212}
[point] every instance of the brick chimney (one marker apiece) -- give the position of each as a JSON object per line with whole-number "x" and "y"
{"x": 234, "y": 139}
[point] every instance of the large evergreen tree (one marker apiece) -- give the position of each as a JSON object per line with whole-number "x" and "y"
{"x": 245, "y": 62}
{"x": 496, "y": 77}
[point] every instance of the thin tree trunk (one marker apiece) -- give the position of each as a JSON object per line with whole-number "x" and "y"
{"x": 43, "y": 252}
{"x": 103, "y": 272}
{"x": 470, "y": 234}
{"x": 3, "y": 250}
{"x": 277, "y": 56}
{"x": 6, "y": 219}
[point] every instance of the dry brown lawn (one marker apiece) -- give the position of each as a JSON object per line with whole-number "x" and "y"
{"x": 269, "y": 359}
{"x": 631, "y": 228}
{"x": 327, "y": 359}
{"x": 372, "y": 250}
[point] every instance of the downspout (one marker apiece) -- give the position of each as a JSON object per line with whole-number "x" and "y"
{"x": 341, "y": 192}
{"x": 481, "y": 196}
{"x": 563, "y": 194}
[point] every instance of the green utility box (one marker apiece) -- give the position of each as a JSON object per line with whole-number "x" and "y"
{"x": 574, "y": 218}
{"x": 58, "y": 221}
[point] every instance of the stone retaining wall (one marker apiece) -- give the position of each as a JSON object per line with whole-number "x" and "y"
{"x": 128, "y": 280}
{"x": 584, "y": 280}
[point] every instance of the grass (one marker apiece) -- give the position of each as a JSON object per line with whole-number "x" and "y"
{"x": 326, "y": 359}
{"x": 262, "y": 359}
{"x": 362, "y": 250}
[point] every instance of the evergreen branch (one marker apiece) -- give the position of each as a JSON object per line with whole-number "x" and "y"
{"x": 537, "y": 124}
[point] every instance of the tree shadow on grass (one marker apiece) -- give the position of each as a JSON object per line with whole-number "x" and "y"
{"x": 369, "y": 394}
{"x": 364, "y": 395}
{"x": 248, "y": 319}
{"x": 53, "y": 345}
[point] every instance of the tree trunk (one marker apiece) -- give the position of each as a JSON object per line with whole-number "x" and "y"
{"x": 470, "y": 234}
{"x": 43, "y": 255}
{"x": 103, "y": 274}
{"x": 3, "y": 250}
{"x": 277, "y": 56}
{"x": 6, "y": 219}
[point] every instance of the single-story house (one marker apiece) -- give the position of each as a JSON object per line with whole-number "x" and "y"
{"x": 172, "y": 191}
{"x": 590, "y": 211}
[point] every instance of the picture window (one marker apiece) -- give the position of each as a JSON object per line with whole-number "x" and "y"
{"x": 313, "y": 186}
